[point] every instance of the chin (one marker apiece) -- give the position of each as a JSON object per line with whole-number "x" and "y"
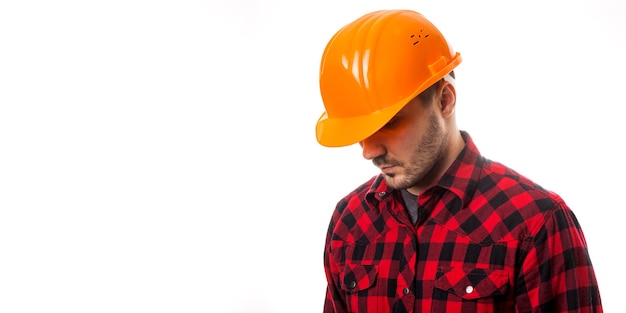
{"x": 397, "y": 182}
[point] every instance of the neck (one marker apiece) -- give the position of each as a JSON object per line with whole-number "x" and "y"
{"x": 453, "y": 148}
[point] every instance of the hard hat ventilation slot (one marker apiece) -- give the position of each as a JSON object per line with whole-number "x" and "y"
{"x": 419, "y": 36}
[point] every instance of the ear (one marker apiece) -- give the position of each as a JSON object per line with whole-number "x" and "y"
{"x": 447, "y": 100}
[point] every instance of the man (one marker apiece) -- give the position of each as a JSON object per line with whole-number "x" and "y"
{"x": 441, "y": 228}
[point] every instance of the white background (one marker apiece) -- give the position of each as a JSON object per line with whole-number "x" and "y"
{"x": 160, "y": 156}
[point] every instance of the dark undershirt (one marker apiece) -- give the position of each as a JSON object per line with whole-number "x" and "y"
{"x": 410, "y": 202}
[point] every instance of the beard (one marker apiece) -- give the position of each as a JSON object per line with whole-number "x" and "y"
{"x": 427, "y": 153}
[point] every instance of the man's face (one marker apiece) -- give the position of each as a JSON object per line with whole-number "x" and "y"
{"x": 408, "y": 147}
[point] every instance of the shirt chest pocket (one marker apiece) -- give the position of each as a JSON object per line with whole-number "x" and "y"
{"x": 474, "y": 290}
{"x": 358, "y": 277}
{"x": 357, "y": 268}
{"x": 358, "y": 282}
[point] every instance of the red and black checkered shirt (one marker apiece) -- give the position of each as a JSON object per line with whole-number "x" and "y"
{"x": 487, "y": 240}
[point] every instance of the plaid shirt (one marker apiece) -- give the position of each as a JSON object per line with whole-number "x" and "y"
{"x": 487, "y": 240}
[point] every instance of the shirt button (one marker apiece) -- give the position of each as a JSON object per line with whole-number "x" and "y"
{"x": 406, "y": 291}
{"x": 469, "y": 289}
{"x": 382, "y": 194}
{"x": 352, "y": 284}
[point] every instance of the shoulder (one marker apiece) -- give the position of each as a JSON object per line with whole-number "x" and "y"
{"x": 499, "y": 179}
{"x": 356, "y": 198}
{"x": 354, "y": 209}
{"x": 521, "y": 205}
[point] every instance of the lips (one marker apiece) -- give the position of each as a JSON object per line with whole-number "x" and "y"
{"x": 387, "y": 168}
{"x": 385, "y": 165}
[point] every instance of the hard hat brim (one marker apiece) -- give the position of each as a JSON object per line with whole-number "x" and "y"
{"x": 341, "y": 132}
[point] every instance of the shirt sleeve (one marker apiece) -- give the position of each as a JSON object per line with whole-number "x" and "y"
{"x": 556, "y": 273}
{"x": 330, "y": 305}
{"x": 333, "y": 302}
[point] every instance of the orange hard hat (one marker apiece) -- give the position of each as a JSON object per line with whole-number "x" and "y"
{"x": 374, "y": 66}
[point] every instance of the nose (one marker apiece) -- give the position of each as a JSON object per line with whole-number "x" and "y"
{"x": 372, "y": 148}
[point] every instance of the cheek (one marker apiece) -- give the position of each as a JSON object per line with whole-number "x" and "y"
{"x": 403, "y": 143}
{"x": 414, "y": 135}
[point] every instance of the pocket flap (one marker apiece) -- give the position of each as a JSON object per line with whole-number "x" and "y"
{"x": 357, "y": 277}
{"x": 472, "y": 283}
